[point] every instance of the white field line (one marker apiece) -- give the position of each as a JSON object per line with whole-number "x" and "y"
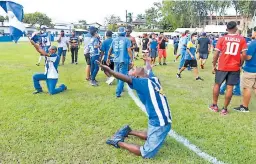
{"x": 176, "y": 136}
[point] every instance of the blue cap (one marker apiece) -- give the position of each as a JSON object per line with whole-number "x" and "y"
{"x": 204, "y": 34}
{"x": 121, "y": 31}
{"x": 92, "y": 30}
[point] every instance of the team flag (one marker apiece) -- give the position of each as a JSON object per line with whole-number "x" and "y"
{"x": 16, "y": 15}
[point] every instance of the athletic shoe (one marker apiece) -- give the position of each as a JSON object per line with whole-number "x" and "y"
{"x": 214, "y": 108}
{"x": 93, "y": 83}
{"x": 164, "y": 64}
{"x": 224, "y": 112}
{"x": 38, "y": 64}
{"x": 202, "y": 66}
{"x": 114, "y": 141}
{"x": 178, "y": 75}
{"x": 124, "y": 131}
{"x": 199, "y": 78}
{"x": 241, "y": 109}
{"x": 110, "y": 80}
{"x": 37, "y": 92}
{"x": 118, "y": 96}
{"x": 160, "y": 63}
{"x": 65, "y": 87}
{"x": 76, "y": 63}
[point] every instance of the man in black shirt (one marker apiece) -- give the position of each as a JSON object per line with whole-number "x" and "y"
{"x": 75, "y": 45}
{"x": 162, "y": 40}
{"x": 203, "y": 48}
{"x": 145, "y": 41}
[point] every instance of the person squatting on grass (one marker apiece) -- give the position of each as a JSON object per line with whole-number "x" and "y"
{"x": 231, "y": 47}
{"x": 94, "y": 46}
{"x": 249, "y": 77}
{"x": 190, "y": 58}
{"x": 51, "y": 71}
{"x": 121, "y": 48}
{"x": 150, "y": 92}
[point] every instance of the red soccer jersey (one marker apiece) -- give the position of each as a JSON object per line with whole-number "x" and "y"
{"x": 230, "y": 47}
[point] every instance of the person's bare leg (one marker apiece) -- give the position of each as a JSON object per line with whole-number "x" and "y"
{"x": 87, "y": 72}
{"x": 229, "y": 94}
{"x": 177, "y": 57}
{"x": 135, "y": 149}
{"x": 164, "y": 60}
{"x": 246, "y": 97}
{"x": 204, "y": 61}
{"x": 141, "y": 135}
{"x": 63, "y": 60}
{"x": 196, "y": 72}
{"x": 181, "y": 70}
{"x": 216, "y": 92}
{"x": 160, "y": 60}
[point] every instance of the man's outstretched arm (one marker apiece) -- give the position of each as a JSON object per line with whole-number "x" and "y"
{"x": 38, "y": 48}
{"x": 117, "y": 75}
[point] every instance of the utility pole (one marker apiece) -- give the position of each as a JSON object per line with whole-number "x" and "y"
{"x": 126, "y": 17}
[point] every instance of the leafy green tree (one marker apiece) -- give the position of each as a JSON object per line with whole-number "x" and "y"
{"x": 38, "y": 18}
{"x": 2, "y": 19}
{"x": 112, "y": 19}
{"x": 84, "y": 23}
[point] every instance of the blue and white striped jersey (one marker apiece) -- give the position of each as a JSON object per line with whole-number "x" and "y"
{"x": 150, "y": 93}
{"x": 51, "y": 66}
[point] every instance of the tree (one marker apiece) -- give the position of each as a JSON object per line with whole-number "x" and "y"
{"x": 37, "y": 18}
{"x": 151, "y": 17}
{"x": 112, "y": 19}
{"x": 84, "y": 23}
{"x": 140, "y": 16}
{"x": 235, "y": 4}
{"x": 2, "y": 19}
{"x": 112, "y": 27}
{"x": 223, "y": 6}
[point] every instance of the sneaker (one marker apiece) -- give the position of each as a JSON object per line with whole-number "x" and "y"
{"x": 202, "y": 66}
{"x": 164, "y": 64}
{"x": 118, "y": 96}
{"x": 241, "y": 108}
{"x": 214, "y": 108}
{"x": 124, "y": 131}
{"x": 76, "y": 63}
{"x": 93, "y": 83}
{"x": 224, "y": 112}
{"x": 160, "y": 63}
{"x": 37, "y": 92}
{"x": 114, "y": 141}
{"x": 110, "y": 80}
{"x": 65, "y": 87}
{"x": 200, "y": 79}
{"x": 38, "y": 64}
{"x": 178, "y": 75}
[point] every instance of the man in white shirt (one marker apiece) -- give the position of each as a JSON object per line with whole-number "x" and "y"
{"x": 63, "y": 46}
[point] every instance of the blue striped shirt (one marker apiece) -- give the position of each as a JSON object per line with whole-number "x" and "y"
{"x": 149, "y": 90}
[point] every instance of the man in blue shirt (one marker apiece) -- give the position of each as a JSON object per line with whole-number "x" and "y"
{"x": 93, "y": 47}
{"x": 121, "y": 48}
{"x": 104, "y": 54}
{"x": 184, "y": 42}
{"x": 44, "y": 41}
{"x": 150, "y": 92}
{"x": 176, "y": 44}
{"x": 152, "y": 46}
{"x": 190, "y": 58}
{"x": 249, "y": 77}
{"x": 51, "y": 71}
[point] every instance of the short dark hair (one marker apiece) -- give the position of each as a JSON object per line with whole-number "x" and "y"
{"x": 231, "y": 25}
{"x": 187, "y": 31}
{"x": 129, "y": 27}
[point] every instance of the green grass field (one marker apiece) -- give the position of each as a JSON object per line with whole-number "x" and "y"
{"x": 72, "y": 127}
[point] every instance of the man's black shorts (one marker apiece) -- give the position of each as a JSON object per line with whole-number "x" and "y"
{"x": 111, "y": 65}
{"x": 191, "y": 63}
{"x": 231, "y": 77}
{"x": 88, "y": 58}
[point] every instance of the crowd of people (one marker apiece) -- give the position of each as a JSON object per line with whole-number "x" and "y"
{"x": 116, "y": 56}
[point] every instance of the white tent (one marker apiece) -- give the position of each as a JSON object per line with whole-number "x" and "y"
{"x": 215, "y": 28}
{"x": 191, "y": 30}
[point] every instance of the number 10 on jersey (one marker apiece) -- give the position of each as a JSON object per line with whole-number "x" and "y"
{"x": 232, "y": 48}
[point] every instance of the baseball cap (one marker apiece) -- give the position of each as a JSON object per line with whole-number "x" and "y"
{"x": 109, "y": 33}
{"x": 121, "y": 31}
{"x": 204, "y": 34}
{"x": 231, "y": 25}
{"x": 53, "y": 48}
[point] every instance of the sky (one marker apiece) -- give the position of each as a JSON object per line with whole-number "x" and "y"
{"x": 67, "y": 11}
